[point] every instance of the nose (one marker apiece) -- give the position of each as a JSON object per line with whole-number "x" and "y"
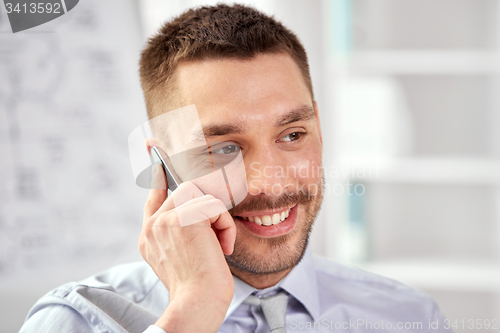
{"x": 266, "y": 172}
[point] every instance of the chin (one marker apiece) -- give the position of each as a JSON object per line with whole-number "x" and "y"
{"x": 261, "y": 252}
{"x": 269, "y": 255}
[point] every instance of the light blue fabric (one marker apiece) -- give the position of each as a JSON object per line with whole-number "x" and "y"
{"x": 324, "y": 297}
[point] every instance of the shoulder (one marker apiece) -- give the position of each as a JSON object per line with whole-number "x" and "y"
{"x": 367, "y": 292}
{"x": 48, "y": 319}
{"x": 102, "y": 300}
{"x": 132, "y": 281}
{"x": 328, "y": 271}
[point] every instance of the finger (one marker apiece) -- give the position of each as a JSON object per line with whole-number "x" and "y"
{"x": 184, "y": 193}
{"x": 196, "y": 200}
{"x": 204, "y": 209}
{"x": 223, "y": 221}
{"x": 158, "y": 194}
{"x": 226, "y": 232}
{"x": 215, "y": 211}
{"x": 209, "y": 209}
{"x": 151, "y": 142}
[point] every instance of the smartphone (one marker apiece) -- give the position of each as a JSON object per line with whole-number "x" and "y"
{"x": 159, "y": 156}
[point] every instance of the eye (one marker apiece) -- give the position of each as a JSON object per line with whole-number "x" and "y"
{"x": 292, "y": 136}
{"x": 226, "y": 150}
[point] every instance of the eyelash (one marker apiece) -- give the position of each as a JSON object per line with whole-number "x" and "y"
{"x": 216, "y": 151}
{"x": 299, "y": 135}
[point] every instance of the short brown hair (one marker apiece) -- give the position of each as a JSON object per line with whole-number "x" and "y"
{"x": 215, "y": 32}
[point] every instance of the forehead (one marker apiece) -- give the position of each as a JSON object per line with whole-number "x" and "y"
{"x": 234, "y": 90}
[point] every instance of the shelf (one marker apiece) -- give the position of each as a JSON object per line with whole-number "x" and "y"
{"x": 442, "y": 275}
{"x": 420, "y": 62}
{"x": 474, "y": 171}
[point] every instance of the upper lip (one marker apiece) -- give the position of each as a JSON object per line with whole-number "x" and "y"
{"x": 270, "y": 213}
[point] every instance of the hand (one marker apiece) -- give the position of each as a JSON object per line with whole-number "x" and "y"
{"x": 189, "y": 260}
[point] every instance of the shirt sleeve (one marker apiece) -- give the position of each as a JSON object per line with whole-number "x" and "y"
{"x": 56, "y": 318}
{"x": 154, "y": 329}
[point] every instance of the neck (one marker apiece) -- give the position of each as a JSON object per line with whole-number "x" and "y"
{"x": 259, "y": 281}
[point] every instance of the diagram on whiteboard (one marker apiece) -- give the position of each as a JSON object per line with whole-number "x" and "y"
{"x": 69, "y": 95}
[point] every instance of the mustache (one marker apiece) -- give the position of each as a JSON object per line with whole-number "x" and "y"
{"x": 258, "y": 203}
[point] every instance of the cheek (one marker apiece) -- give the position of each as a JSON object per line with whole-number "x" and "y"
{"x": 308, "y": 166}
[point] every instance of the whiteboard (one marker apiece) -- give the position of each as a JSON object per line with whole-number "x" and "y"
{"x": 69, "y": 97}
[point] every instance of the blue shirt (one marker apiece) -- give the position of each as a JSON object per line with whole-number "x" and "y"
{"x": 324, "y": 297}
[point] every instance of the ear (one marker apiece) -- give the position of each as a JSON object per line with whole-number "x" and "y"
{"x": 151, "y": 142}
{"x": 318, "y": 125}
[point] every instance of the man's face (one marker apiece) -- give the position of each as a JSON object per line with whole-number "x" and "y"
{"x": 262, "y": 107}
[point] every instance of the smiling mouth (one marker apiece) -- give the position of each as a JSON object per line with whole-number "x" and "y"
{"x": 267, "y": 220}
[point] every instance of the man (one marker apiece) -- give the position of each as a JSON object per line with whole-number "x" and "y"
{"x": 247, "y": 269}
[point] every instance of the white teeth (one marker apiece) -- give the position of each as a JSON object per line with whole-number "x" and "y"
{"x": 266, "y": 220}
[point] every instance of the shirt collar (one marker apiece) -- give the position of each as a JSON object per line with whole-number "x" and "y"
{"x": 301, "y": 283}
{"x": 241, "y": 292}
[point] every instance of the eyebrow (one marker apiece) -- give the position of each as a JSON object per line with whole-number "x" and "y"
{"x": 213, "y": 130}
{"x": 303, "y": 113}
{"x": 222, "y": 129}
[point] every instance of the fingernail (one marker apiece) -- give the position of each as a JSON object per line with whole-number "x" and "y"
{"x": 155, "y": 170}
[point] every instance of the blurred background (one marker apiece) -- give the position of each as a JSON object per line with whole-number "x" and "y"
{"x": 409, "y": 98}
